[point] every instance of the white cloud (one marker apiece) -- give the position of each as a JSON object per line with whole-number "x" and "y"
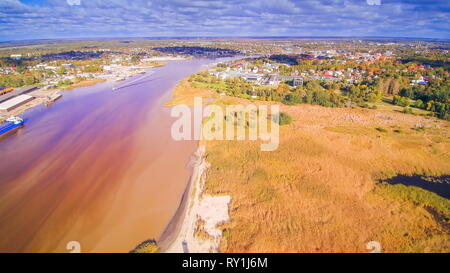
{"x": 59, "y": 19}
{"x": 373, "y": 2}
{"x": 74, "y": 2}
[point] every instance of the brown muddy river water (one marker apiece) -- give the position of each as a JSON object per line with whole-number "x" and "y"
{"x": 98, "y": 167}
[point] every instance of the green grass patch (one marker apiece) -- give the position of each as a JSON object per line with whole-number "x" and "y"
{"x": 285, "y": 119}
{"x": 380, "y": 129}
{"x": 416, "y": 196}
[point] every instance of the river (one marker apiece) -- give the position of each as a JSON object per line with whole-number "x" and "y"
{"x": 98, "y": 167}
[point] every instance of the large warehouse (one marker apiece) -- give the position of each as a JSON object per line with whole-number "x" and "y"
{"x": 15, "y": 102}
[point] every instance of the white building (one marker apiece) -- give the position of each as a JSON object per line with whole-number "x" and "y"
{"x": 16, "y": 56}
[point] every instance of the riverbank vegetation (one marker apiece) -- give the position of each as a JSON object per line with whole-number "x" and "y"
{"x": 411, "y": 80}
{"x": 433, "y": 98}
{"x": 148, "y": 246}
{"x": 319, "y": 192}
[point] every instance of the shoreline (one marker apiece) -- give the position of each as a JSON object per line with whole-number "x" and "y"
{"x": 47, "y": 96}
{"x": 83, "y": 83}
{"x": 172, "y": 232}
{"x": 193, "y": 228}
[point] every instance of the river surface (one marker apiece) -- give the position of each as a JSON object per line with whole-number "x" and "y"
{"x": 98, "y": 167}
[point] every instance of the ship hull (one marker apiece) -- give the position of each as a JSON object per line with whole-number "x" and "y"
{"x": 5, "y": 129}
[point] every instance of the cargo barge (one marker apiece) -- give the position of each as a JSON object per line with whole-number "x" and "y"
{"x": 10, "y": 124}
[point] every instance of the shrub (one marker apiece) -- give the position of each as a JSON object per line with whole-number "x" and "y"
{"x": 285, "y": 119}
{"x": 419, "y": 104}
{"x": 401, "y": 101}
{"x": 149, "y": 246}
{"x": 408, "y": 110}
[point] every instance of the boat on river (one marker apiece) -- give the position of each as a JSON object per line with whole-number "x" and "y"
{"x": 11, "y": 124}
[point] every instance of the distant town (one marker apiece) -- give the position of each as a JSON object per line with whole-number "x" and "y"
{"x": 412, "y": 74}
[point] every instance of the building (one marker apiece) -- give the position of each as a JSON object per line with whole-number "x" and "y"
{"x": 17, "y": 92}
{"x": 297, "y": 82}
{"x": 4, "y": 91}
{"x": 16, "y": 56}
{"x": 271, "y": 80}
{"x": 253, "y": 78}
{"x": 15, "y": 102}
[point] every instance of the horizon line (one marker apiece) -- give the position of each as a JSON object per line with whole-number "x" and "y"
{"x": 222, "y": 37}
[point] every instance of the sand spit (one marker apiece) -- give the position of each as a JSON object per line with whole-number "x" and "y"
{"x": 180, "y": 235}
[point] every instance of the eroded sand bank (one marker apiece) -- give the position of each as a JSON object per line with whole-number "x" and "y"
{"x": 180, "y": 236}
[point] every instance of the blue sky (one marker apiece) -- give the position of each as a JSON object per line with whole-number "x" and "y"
{"x": 44, "y": 19}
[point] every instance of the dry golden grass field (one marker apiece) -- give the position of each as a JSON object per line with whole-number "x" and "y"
{"x": 320, "y": 191}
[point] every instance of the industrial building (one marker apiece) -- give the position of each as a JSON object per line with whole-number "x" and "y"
{"x": 16, "y": 92}
{"x": 15, "y": 102}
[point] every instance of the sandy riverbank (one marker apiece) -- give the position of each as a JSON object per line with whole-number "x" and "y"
{"x": 193, "y": 227}
{"x": 83, "y": 83}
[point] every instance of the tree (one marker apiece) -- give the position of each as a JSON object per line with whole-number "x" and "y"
{"x": 401, "y": 101}
{"x": 393, "y": 87}
{"x": 283, "y": 88}
{"x": 61, "y": 70}
{"x": 419, "y": 104}
{"x": 407, "y": 92}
